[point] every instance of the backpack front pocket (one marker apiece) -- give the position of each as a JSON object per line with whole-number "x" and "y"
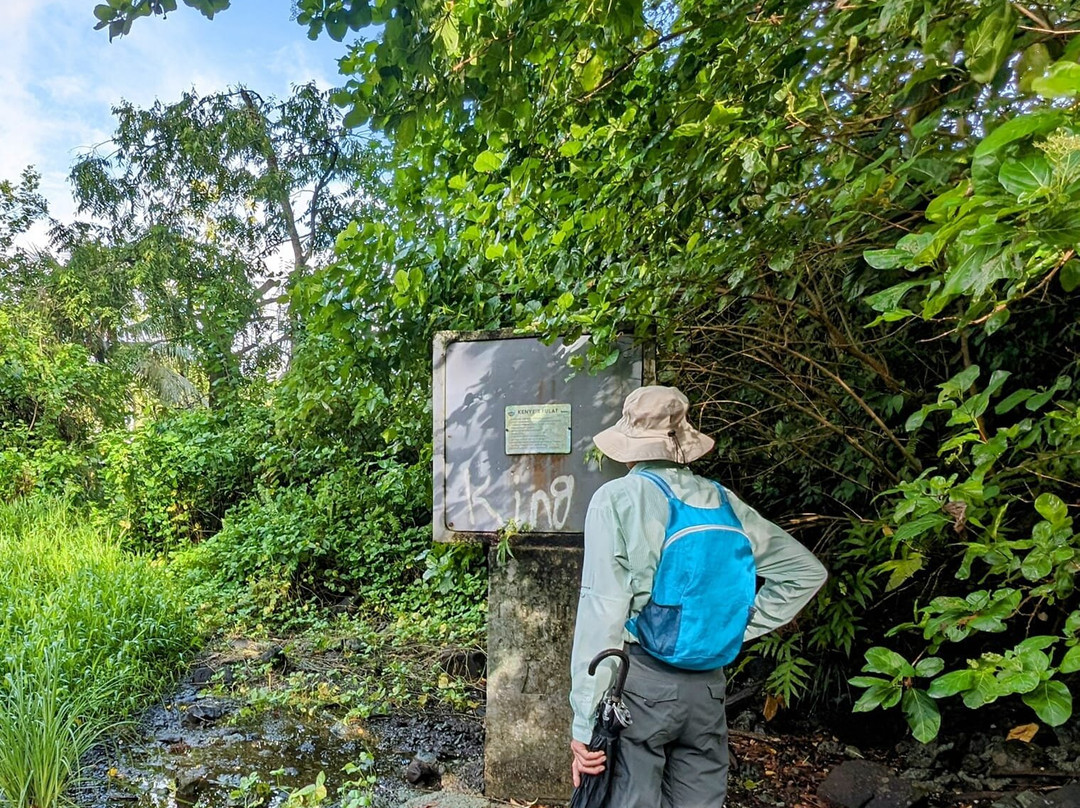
{"x": 658, "y": 628}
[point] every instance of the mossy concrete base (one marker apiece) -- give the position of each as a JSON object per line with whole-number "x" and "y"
{"x": 532, "y": 603}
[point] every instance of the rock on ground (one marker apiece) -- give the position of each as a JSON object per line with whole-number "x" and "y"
{"x": 862, "y": 784}
{"x": 1067, "y": 797}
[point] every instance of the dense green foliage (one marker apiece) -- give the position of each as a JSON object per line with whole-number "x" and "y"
{"x": 850, "y": 229}
{"x": 88, "y": 632}
{"x": 144, "y": 397}
{"x": 711, "y": 176}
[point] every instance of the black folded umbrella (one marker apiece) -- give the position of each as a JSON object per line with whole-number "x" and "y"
{"x": 612, "y": 718}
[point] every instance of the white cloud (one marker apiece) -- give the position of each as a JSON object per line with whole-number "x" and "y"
{"x": 59, "y": 78}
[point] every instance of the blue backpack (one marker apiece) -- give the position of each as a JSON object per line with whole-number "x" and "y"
{"x": 703, "y": 591}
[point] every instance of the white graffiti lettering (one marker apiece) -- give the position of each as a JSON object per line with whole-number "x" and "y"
{"x": 474, "y": 498}
{"x": 547, "y": 510}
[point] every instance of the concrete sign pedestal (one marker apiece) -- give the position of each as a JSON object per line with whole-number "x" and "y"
{"x": 533, "y": 601}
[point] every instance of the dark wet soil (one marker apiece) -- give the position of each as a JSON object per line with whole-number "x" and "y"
{"x": 202, "y": 749}
{"x": 979, "y": 760}
{"x": 206, "y": 748}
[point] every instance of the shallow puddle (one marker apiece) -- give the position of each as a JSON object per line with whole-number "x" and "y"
{"x": 200, "y": 752}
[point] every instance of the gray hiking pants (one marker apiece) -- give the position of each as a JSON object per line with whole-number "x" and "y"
{"x": 675, "y": 754}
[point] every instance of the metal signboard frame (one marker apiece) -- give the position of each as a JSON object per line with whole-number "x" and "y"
{"x": 500, "y": 404}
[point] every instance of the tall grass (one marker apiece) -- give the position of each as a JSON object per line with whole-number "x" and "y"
{"x": 87, "y": 631}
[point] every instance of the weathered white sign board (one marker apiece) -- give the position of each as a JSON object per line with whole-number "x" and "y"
{"x": 513, "y": 427}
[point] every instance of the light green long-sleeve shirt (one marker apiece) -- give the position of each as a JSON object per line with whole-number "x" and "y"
{"x": 624, "y": 531}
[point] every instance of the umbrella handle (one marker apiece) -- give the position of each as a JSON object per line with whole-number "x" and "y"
{"x": 620, "y": 671}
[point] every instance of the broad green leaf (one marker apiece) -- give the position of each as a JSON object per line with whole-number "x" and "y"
{"x": 961, "y": 382}
{"x": 488, "y": 161}
{"x": 1070, "y": 275}
{"x": 1062, "y": 228}
{"x": 570, "y": 148}
{"x": 1062, "y": 79}
{"x": 722, "y": 114}
{"x": 989, "y": 42}
{"x": 1051, "y": 701}
{"x": 406, "y": 130}
{"x": 996, "y": 321}
{"x": 918, "y": 418}
{"x": 694, "y": 129}
{"x": 976, "y": 271}
{"x": 868, "y": 681}
{"x": 1052, "y": 509}
{"x": 889, "y": 299}
{"x": 1035, "y": 659}
{"x": 951, "y": 683}
{"x": 922, "y": 715}
{"x": 1026, "y": 178}
{"x": 1011, "y": 401}
{"x": 337, "y": 25}
{"x": 609, "y": 360}
{"x": 945, "y": 205}
{"x": 1037, "y": 643}
{"x": 931, "y": 666}
{"x": 902, "y": 570}
{"x": 916, "y": 244}
{"x": 1032, "y": 65}
{"x": 1038, "y": 400}
{"x": 890, "y": 663}
{"x": 987, "y": 156}
{"x": 355, "y": 117}
{"x": 877, "y": 696}
{"x": 985, "y": 689}
{"x": 450, "y": 37}
{"x": 104, "y": 12}
{"x": 1070, "y": 663}
{"x": 927, "y": 523}
{"x": 592, "y": 74}
{"x": 1037, "y": 565}
{"x": 359, "y": 14}
{"x": 997, "y": 379}
{"x": 886, "y": 259}
{"x": 1018, "y": 681}
{"x": 894, "y": 13}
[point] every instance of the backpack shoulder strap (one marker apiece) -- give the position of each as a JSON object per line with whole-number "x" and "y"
{"x": 660, "y": 482}
{"x": 721, "y": 492}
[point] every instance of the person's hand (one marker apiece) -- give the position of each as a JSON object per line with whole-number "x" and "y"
{"x": 585, "y": 761}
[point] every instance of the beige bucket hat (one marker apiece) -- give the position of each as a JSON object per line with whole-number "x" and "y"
{"x": 654, "y": 427}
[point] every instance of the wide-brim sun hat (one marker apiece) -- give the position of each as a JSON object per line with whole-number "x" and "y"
{"x": 654, "y": 427}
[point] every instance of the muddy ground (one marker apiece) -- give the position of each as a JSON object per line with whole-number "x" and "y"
{"x": 207, "y": 747}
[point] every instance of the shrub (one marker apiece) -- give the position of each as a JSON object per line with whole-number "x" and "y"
{"x": 359, "y": 532}
{"x": 171, "y": 481}
{"x": 54, "y": 400}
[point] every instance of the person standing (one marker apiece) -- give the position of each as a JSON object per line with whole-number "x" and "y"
{"x": 675, "y": 752}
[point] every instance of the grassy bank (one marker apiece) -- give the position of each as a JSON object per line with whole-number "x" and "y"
{"x": 87, "y": 632}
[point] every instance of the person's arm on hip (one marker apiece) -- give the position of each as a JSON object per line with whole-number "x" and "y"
{"x": 792, "y": 574}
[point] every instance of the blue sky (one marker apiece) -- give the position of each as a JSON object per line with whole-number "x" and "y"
{"x": 59, "y": 77}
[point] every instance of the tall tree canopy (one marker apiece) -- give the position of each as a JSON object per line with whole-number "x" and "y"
{"x": 211, "y": 207}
